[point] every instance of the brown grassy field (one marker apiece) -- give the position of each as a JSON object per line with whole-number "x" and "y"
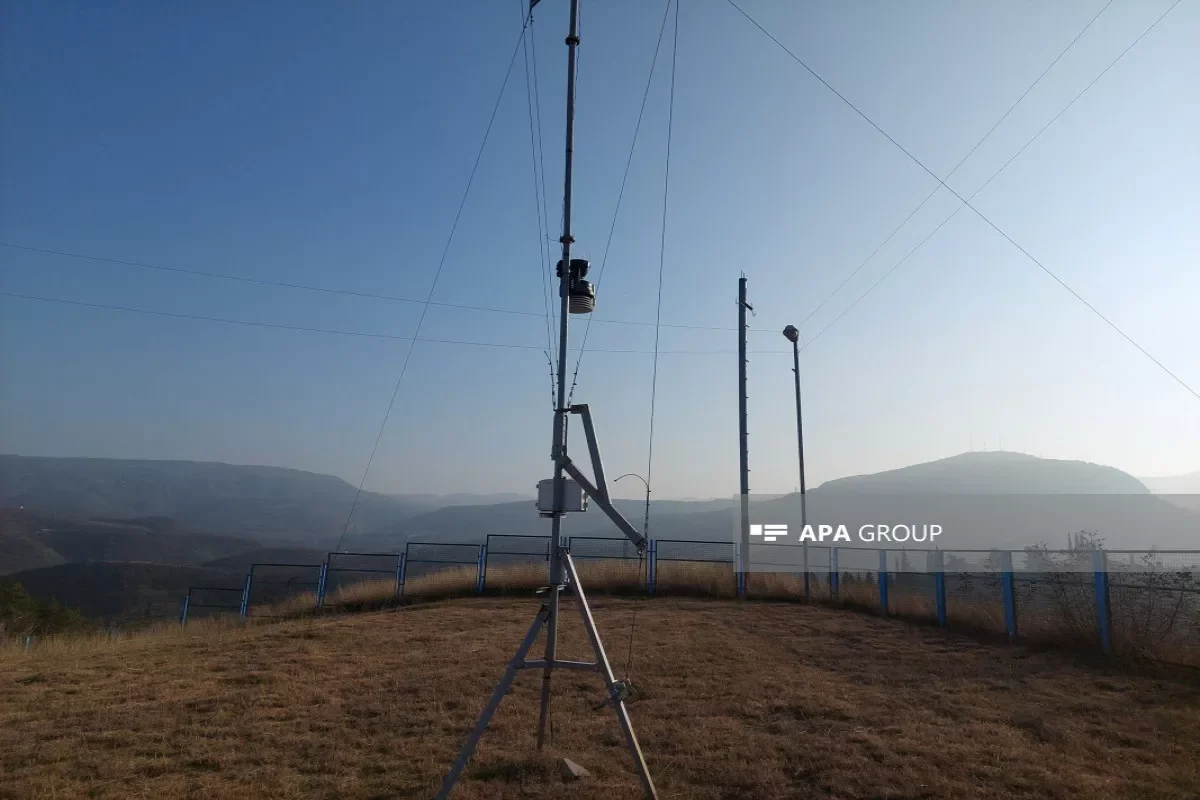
{"x": 755, "y": 699}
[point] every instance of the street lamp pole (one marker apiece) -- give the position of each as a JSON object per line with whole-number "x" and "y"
{"x": 793, "y": 336}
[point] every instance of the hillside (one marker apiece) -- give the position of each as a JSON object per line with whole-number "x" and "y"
{"x": 263, "y": 503}
{"x": 121, "y": 592}
{"x": 241, "y": 562}
{"x": 30, "y": 540}
{"x": 733, "y": 700}
{"x": 470, "y": 524}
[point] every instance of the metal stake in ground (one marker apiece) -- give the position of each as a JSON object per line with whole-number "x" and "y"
{"x": 576, "y": 296}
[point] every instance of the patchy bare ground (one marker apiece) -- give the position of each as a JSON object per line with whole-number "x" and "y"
{"x": 734, "y": 700}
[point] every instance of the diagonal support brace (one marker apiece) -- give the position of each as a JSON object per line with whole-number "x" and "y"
{"x": 606, "y": 506}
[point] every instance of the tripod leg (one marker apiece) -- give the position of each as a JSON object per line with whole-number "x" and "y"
{"x": 551, "y": 654}
{"x": 484, "y": 718}
{"x": 614, "y": 693}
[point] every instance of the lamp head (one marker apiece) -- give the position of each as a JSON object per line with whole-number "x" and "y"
{"x": 792, "y": 334}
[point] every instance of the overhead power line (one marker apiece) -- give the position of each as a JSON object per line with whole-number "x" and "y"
{"x": 343, "y": 332}
{"x": 957, "y": 166}
{"x": 534, "y": 137}
{"x": 662, "y": 252}
{"x": 345, "y": 292}
{"x": 966, "y": 202}
{"x": 988, "y": 182}
{"x": 436, "y": 276}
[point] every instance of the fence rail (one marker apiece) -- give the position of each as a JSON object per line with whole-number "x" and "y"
{"x": 1146, "y": 603}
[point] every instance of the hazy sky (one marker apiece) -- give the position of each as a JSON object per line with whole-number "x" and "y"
{"x": 330, "y": 144}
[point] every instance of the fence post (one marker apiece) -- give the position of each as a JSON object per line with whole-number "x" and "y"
{"x": 652, "y": 567}
{"x": 481, "y": 568}
{"x": 246, "y": 594}
{"x": 1103, "y": 625}
{"x": 833, "y": 575}
{"x": 939, "y": 586}
{"x": 807, "y": 587}
{"x": 401, "y": 567}
{"x": 321, "y": 583}
{"x": 29, "y": 642}
{"x": 883, "y": 583}
{"x": 183, "y": 612}
{"x": 1010, "y": 596}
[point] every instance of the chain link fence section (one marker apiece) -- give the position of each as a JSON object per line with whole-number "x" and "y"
{"x": 974, "y": 590}
{"x": 348, "y": 576}
{"x": 693, "y": 567}
{"x": 202, "y": 602}
{"x": 514, "y": 562}
{"x": 611, "y": 562}
{"x": 442, "y": 568}
{"x": 1154, "y": 600}
{"x": 776, "y": 571}
{"x": 270, "y": 585}
{"x": 857, "y": 577}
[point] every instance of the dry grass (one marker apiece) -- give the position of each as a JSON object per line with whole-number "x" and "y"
{"x": 764, "y": 700}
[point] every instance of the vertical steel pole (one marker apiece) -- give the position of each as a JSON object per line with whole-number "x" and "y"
{"x": 1008, "y": 591}
{"x": 246, "y": 594}
{"x": 939, "y": 587}
{"x": 1103, "y": 616}
{"x": 558, "y": 450}
{"x": 800, "y": 448}
{"x": 743, "y": 441}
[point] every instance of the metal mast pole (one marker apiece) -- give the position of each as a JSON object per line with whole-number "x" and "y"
{"x": 743, "y": 434}
{"x": 558, "y": 449}
{"x": 799, "y": 432}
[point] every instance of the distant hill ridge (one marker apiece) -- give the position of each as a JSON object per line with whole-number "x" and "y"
{"x": 994, "y": 472}
{"x": 264, "y": 503}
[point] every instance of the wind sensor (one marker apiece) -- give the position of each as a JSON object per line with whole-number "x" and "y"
{"x": 558, "y": 495}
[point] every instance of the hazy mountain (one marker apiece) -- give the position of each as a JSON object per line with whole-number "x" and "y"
{"x": 1178, "y": 490}
{"x": 29, "y": 540}
{"x": 263, "y": 503}
{"x": 1000, "y": 500}
{"x": 993, "y": 473}
{"x": 1174, "y": 484}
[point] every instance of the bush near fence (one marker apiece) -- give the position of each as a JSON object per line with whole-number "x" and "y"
{"x": 1144, "y": 605}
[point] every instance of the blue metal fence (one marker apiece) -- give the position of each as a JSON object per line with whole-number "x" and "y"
{"x": 270, "y": 583}
{"x": 1141, "y": 600}
{"x": 344, "y": 569}
{"x": 425, "y": 559}
{"x": 687, "y": 551}
{"x": 223, "y": 599}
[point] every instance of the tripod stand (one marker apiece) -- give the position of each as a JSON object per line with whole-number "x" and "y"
{"x": 616, "y": 689}
{"x": 576, "y": 296}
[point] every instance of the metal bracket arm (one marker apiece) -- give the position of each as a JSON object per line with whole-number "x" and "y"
{"x": 630, "y": 532}
{"x": 589, "y": 431}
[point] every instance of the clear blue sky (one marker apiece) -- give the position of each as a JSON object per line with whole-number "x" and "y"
{"x": 330, "y": 144}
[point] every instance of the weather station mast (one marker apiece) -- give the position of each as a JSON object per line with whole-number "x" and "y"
{"x": 568, "y": 491}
